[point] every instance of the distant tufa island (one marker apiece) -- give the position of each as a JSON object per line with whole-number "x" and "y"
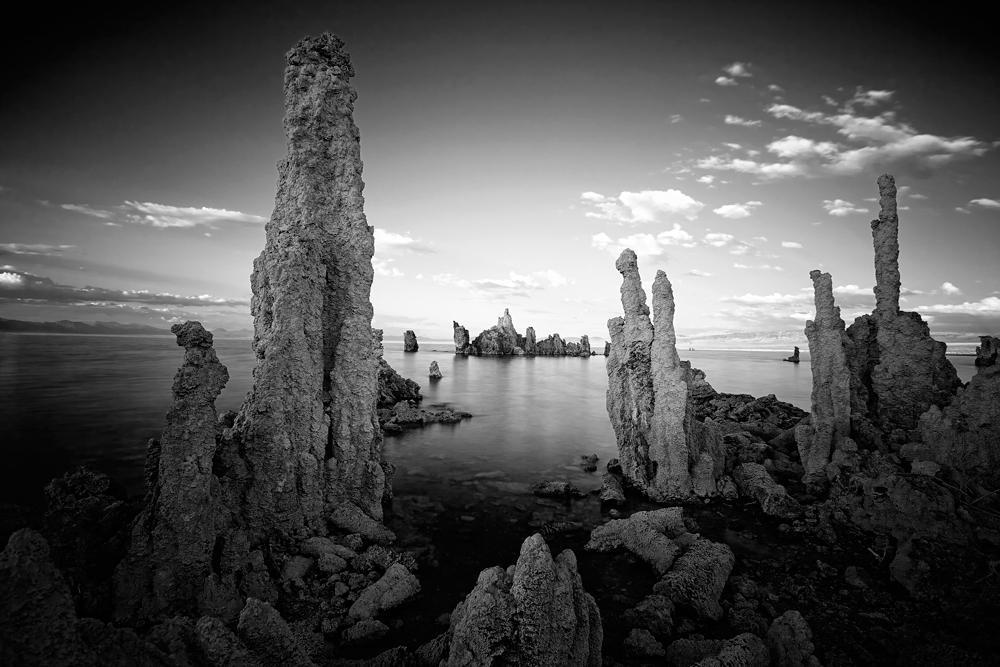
{"x": 504, "y": 340}
{"x": 103, "y": 329}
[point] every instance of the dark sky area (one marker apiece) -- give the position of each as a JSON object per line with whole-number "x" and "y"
{"x": 481, "y": 126}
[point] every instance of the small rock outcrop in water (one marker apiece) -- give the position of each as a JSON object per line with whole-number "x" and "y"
{"x": 664, "y": 450}
{"x": 504, "y": 340}
{"x": 434, "y": 372}
{"x": 410, "y": 341}
{"x": 169, "y": 565}
{"x": 795, "y": 356}
{"x": 534, "y": 613}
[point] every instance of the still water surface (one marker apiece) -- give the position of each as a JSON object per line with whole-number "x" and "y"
{"x": 69, "y": 400}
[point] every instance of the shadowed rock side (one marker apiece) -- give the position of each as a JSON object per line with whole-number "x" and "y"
{"x": 534, "y": 613}
{"x": 898, "y": 371}
{"x": 168, "y": 569}
{"x": 308, "y": 427}
{"x": 965, "y": 435}
{"x": 664, "y": 451}
{"x": 795, "y": 356}
{"x": 410, "y": 341}
{"x": 461, "y": 336}
{"x": 829, "y": 348}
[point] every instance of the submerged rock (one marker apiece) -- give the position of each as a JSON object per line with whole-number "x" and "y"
{"x": 553, "y": 489}
{"x": 534, "y": 613}
{"x": 410, "y": 341}
{"x": 665, "y": 452}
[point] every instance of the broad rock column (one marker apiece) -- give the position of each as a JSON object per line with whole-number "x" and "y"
{"x": 309, "y": 426}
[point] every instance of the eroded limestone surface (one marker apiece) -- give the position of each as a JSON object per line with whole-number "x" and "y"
{"x": 665, "y": 452}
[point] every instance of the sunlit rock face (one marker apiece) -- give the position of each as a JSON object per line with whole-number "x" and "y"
{"x": 898, "y": 371}
{"x": 534, "y": 613}
{"x": 664, "y": 451}
{"x": 308, "y": 428}
{"x": 829, "y": 348}
{"x": 461, "y": 336}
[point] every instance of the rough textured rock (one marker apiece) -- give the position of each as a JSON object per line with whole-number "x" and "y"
{"x": 499, "y": 340}
{"x": 461, "y": 336}
{"x": 530, "y": 346}
{"x": 87, "y": 525}
{"x": 790, "y": 641}
{"x": 220, "y": 647}
{"x": 434, "y": 372}
{"x": 263, "y": 630}
{"x": 795, "y": 356}
{"x": 169, "y": 570}
{"x": 611, "y": 490}
{"x": 410, "y": 341}
{"x": 393, "y": 388}
{"x": 898, "y": 371}
{"x": 664, "y": 450}
{"x": 351, "y": 519}
{"x": 535, "y": 613}
{"x": 697, "y": 578}
{"x": 308, "y": 428}
{"x": 641, "y": 644}
{"x": 745, "y": 650}
{"x": 395, "y": 587}
{"x": 644, "y": 534}
{"x": 37, "y": 619}
{"x": 965, "y": 435}
{"x": 655, "y": 613}
{"x": 554, "y": 489}
{"x": 829, "y": 349}
{"x": 754, "y": 481}
{"x": 38, "y": 623}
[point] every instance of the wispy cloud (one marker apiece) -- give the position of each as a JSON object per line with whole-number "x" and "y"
{"x": 738, "y": 120}
{"x": 987, "y": 306}
{"x": 841, "y": 208}
{"x": 515, "y": 285}
{"x": 725, "y": 81}
{"x": 23, "y": 286}
{"x": 791, "y": 244}
{"x": 641, "y": 207}
{"x": 872, "y": 142}
{"x": 985, "y": 203}
{"x": 738, "y": 69}
{"x": 392, "y": 243}
{"x": 699, "y": 273}
{"x": 34, "y": 249}
{"x": 162, "y": 215}
{"x": 736, "y": 211}
{"x": 644, "y": 245}
{"x": 717, "y": 239}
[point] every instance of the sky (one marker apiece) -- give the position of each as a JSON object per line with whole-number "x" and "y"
{"x": 511, "y": 151}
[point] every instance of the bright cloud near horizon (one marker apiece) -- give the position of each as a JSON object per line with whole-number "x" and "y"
{"x": 507, "y": 164}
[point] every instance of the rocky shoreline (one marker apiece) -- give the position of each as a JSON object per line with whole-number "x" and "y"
{"x": 731, "y": 530}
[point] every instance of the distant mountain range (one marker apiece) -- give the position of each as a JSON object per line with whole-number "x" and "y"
{"x": 103, "y": 329}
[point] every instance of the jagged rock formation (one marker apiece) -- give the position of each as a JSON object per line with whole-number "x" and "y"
{"x": 965, "y": 435}
{"x": 308, "y": 427}
{"x": 461, "y": 335}
{"x": 664, "y": 450}
{"x": 898, "y": 371}
{"x": 829, "y": 349}
{"x": 504, "y": 340}
{"x": 393, "y": 387}
{"x": 434, "y": 372}
{"x": 410, "y": 341}
{"x": 795, "y": 356}
{"x": 534, "y": 613}
{"x": 169, "y": 566}
{"x": 607, "y": 347}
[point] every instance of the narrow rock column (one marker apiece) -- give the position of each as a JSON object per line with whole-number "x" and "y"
{"x": 669, "y": 448}
{"x": 170, "y": 557}
{"x": 461, "y": 336}
{"x": 529, "y": 341}
{"x": 410, "y": 341}
{"x": 309, "y": 426}
{"x": 885, "y": 234}
{"x": 831, "y": 381}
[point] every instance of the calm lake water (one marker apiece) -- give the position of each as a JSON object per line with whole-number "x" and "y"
{"x": 69, "y": 400}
